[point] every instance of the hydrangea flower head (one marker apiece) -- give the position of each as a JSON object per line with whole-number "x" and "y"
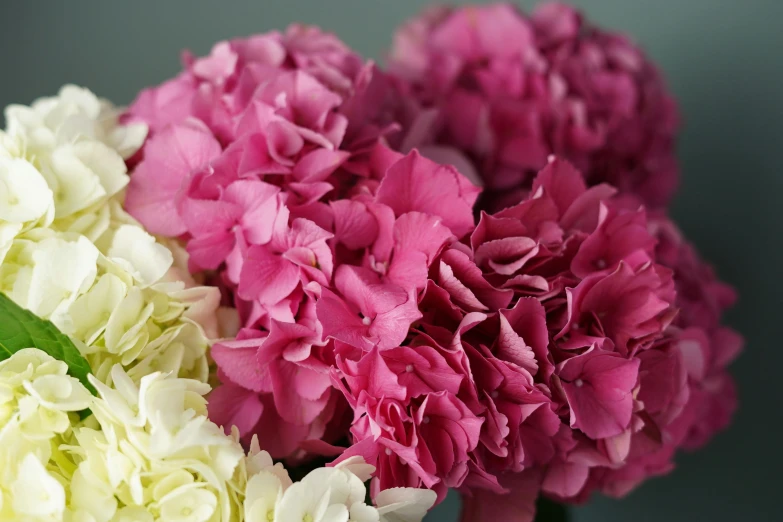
{"x": 507, "y": 90}
{"x": 69, "y": 252}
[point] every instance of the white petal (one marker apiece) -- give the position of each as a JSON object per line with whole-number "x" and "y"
{"x": 188, "y": 504}
{"x": 361, "y": 512}
{"x": 8, "y": 232}
{"x": 149, "y": 259}
{"x": 75, "y": 185}
{"x": 60, "y": 392}
{"x": 404, "y": 504}
{"x": 91, "y": 311}
{"x": 127, "y": 139}
{"x": 335, "y": 513}
{"x": 35, "y": 492}
{"x": 62, "y": 270}
{"x": 24, "y": 193}
{"x": 358, "y": 467}
{"x": 133, "y": 514}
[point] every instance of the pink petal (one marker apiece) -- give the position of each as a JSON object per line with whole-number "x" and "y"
{"x": 416, "y": 231}
{"x": 354, "y": 225}
{"x": 519, "y": 506}
{"x": 290, "y": 404}
{"x": 598, "y": 388}
{"x": 237, "y": 360}
{"x": 230, "y": 405}
{"x": 565, "y": 479}
{"x": 417, "y": 184}
{"x": 339, "y": 322}
{"x": 178, "y": 151}
{"x": 267, "y": 277}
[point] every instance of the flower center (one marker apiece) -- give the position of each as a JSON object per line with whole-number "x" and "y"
{"x": 578, "y": 383}
{"x": 366, "y": 321}
{"x": 409, "y": 368}
{"x": 307, "y": 518}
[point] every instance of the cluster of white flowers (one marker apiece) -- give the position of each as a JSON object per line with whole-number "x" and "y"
{"x": 148, "y": 453}
{"x": 334, "y": 494}
{"x": 38, "y": 402}
{"x": 70, "y": 254}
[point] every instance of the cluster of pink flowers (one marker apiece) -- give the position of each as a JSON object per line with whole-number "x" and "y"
{"x": 568, "y": 343}
{"x": 509, "y": 90}
{"x": 254, "y": 150}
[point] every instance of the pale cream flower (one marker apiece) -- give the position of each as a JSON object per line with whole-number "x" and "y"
{"x": 82, "y": 174}
{"x": 37, "y": 402}
{"x": 24, "y": 194}
{"x": 47, "y": 275}
{"x": 155, "y": 451}
{"x": 335, "y": 494}
{"x": 117, "y": 309}
{"x": 139, "y": 253}
{"x": 74, "y": 114}
{"x": 35, "y": 493}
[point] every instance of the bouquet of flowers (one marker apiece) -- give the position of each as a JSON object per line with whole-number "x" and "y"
{"x": 288, "y": 263}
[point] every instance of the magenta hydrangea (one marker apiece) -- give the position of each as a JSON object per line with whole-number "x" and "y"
{"x": 568, "y": 343}
{"x": 507, "y": 90}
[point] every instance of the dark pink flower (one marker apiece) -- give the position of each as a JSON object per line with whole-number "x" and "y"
{"x": 366, "y": 312}
{"x": 509, "y": 89}
{"x": 516, "y": 501}
{"x": 629, "y": 307}
{"x": 424, "y": 444}
{"x": 598, "y": 386}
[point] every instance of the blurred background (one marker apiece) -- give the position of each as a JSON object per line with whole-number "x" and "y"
{"x": 721, "y": 61}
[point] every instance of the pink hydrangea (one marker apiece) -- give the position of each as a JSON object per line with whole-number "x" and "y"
{"x": 507, "y": 90}
{"x": 253, "y": 152}
{"x": 568, "y": 343}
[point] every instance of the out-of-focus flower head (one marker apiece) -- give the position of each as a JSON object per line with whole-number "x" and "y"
{"x": 506, "y": 90}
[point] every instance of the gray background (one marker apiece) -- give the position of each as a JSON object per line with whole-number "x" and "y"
{"x": 722, "y": 59}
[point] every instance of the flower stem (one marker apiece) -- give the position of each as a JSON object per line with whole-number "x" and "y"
{"x": 551, "y": 511}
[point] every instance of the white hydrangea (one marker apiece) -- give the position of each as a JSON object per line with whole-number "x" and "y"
{"x": 118, "y": 308}
{"x": 25, "y": 199}
{"x": 149, "y": 453}
{"x": 37, "y": 404}
{"x": 152, "y": 450}
{"x": 74, "y": 115}
{"x": 71, "y": 254}
{"x": 335, "y": 494}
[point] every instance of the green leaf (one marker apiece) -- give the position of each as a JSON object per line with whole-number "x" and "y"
{"x": 21, "y": 329}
